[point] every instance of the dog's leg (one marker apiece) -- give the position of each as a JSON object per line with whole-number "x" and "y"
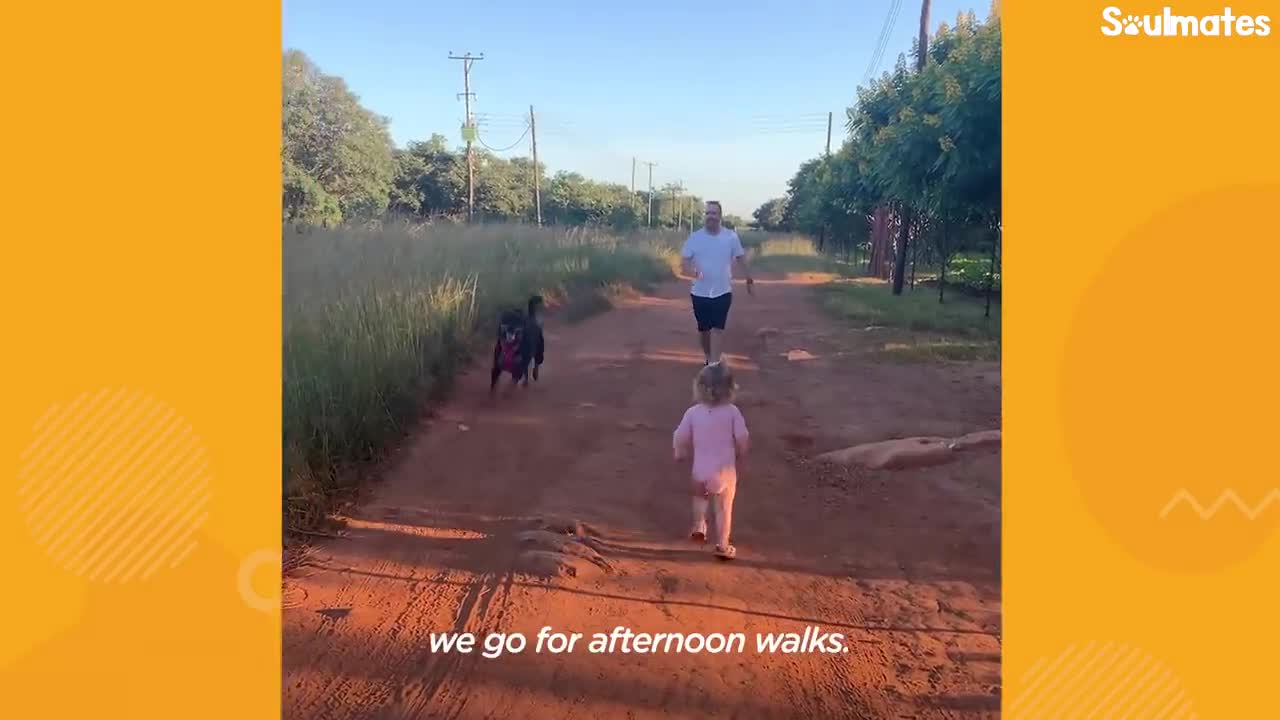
{"x": 497, "y": 368}
{"x": 538, "y": 354}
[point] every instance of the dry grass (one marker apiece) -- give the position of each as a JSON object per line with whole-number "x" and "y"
{"x": 378, "y": 322}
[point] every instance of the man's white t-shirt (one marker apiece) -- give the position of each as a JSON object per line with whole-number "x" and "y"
{"x": 713, "y": 257}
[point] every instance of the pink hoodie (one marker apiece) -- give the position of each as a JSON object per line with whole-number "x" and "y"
{"x": 716, "y": 434}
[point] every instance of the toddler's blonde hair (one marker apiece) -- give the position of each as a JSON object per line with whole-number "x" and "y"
{"x": 714, "y": 385}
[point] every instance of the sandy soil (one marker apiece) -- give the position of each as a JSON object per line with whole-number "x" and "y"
{"x": 906, "y": 564}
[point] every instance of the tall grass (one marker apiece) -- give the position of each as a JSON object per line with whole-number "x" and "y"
{"x": 377, "y": 321}
{"x": 787, "y": 253}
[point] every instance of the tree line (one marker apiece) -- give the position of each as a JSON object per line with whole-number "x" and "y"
{"x": 917, "y": 177}
{"x": 339, "y": 165}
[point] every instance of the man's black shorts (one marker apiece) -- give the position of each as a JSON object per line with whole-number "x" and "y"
{"x": 711, "y": 313}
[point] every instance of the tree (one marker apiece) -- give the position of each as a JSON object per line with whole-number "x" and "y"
{"x": 769, "y": 216}
{"x": 429, "y": 180}
{"x": 504, "y": 188}
{"x": 921, "y": 161}
{"x": 331, "y": 143}
{"x": 338, "y": 164}
{"x": 305, "y": 202}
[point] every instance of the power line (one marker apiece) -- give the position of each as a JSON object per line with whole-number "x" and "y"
{"x": 497, "y": 150}
{"x": 808, "y": 126}
{"x": 790, "y": 125}
{"x": 883, "y": 42}
{"x": 787, "y": 116}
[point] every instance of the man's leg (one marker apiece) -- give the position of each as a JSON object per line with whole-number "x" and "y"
{"x": 721, "y": 317}
{"x": 714, "y": 344}
{"x": 701, "y": 315}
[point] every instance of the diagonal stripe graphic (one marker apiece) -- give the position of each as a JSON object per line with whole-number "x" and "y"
{"x": 114, "y": 483}
{"x": 120, "y": 481}
{"x": 1113, "y": 680}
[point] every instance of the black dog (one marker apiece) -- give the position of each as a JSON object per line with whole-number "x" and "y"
{"x": 520, "y": 348}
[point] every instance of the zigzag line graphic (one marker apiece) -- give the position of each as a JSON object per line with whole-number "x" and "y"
{"x": 1228, "y": 496}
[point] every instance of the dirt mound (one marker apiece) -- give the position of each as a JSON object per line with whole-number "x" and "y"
{"x": 911, "y": 452}
{"x": 561, "y": 547}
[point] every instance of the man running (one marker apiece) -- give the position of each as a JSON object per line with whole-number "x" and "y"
{"x": 708, "y": 257}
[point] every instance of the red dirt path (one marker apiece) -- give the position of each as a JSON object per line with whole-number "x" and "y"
{"x": 905, "y": 563}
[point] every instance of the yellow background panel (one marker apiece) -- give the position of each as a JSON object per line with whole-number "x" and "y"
{"x": 141, "y": 290}
{"x": 1140, "y": 500}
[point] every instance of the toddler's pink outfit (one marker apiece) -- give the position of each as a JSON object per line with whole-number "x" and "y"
{"x": 716, "y": 434}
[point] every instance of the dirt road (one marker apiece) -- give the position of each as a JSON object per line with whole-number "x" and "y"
{"x": 906, "y": 564}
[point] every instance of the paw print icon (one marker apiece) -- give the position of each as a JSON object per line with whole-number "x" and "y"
{"x": 1131, "y": 25}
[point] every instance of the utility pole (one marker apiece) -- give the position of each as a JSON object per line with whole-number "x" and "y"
{"x": 537, "y": 173}
{"x": 924, "y": 34}
{"x": 633, "y": 181}
{"x": 679, "y": 206}
{"x": 469, "y": 128}
{"x": 829, "y": 115}
{"x": 650, "y": 164}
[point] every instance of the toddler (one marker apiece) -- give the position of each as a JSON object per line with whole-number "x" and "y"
{"x": 716, "y": 433}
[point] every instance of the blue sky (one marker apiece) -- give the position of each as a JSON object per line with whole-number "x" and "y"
{"x": 726, "y": 97}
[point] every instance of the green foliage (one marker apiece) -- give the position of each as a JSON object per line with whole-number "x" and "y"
{"x": 331, "y": 146}
{"x": 770, "y": 215}
{"x": 970, "y": 272}
{"x": 305, "y": 202}
{"x": 429, "y": 181}
{"x": 927, "y": 140}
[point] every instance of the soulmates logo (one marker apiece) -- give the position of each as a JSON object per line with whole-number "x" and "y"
{"x": 1170, "y": 25}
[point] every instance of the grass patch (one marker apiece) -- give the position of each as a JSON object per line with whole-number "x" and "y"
{"x": 927, "y": 350}
{"x": 869, "y": 302}
{"x": 376, "y": 322}
{"x": 914, "y": 327}
{"x": 970, "y": 272}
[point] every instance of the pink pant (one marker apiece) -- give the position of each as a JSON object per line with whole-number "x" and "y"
{"x": 722, "y": 504}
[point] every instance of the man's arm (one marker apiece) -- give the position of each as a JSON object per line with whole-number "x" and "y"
{"x": 687, "y": 267}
